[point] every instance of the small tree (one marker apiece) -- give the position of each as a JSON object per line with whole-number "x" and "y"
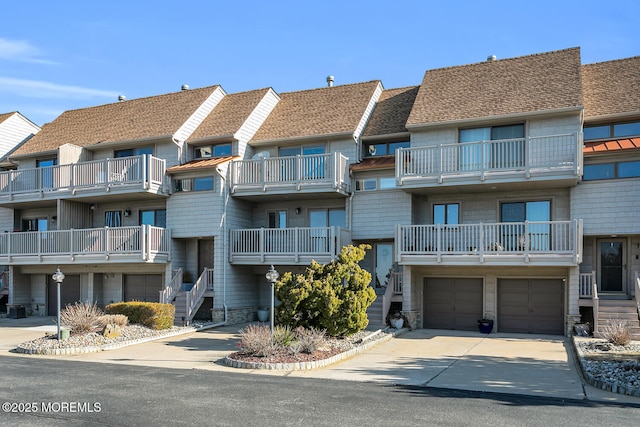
{"x": 333, "y": 296}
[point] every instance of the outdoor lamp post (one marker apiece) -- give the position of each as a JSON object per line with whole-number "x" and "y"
{"x": 272, "y": 275}
{"x": 58, "y": 277}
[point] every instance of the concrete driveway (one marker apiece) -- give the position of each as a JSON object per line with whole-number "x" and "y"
{"x": 538, "y": 365}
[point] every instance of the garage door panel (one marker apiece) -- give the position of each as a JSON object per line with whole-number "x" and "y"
{"x": 531, "y": 306}
{"x": 451, "y": 303}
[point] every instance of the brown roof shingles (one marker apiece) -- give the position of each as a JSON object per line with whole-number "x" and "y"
{"x": 230, "y": 114}
{"x": 154, "y": 116}
{"x": 611, "y": 87}
{"x": 391, "y": 112}
{"x": 540, "y": 82}
{"x": 317, "y": 112}
{"x": 5, "y": 116}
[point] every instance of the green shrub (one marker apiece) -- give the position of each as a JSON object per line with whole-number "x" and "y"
{"x": 153, "y": 315}
{"x": 283, "y": 335}
{"x": 81, "y": 318}
{"x": 333, "y": 296}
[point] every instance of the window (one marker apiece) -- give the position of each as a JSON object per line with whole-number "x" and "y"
{"x": 616, "y": 130}
{"x": 513, "y": 236}
{"x": 46, "y": 174}
{"x": 507, "y": 152}
{"x": 133, "y": 152}
{"x": 218, "y": 150}
{"x": 370, "y": 184}
{"x": 446, "y": 213}
{"x": 193, "y": 184}
{"x": 113, "y": 219}
{"x": 156, "y": 217}
{"x": 313, "y": 166}
{"x": 278, "y": 219}
{"x": 34, "y": 224}
{"x": 611, "y": 170}
{"x": 385, "y": 148}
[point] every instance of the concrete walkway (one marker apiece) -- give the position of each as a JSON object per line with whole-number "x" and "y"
{"x": 536, "y": 365}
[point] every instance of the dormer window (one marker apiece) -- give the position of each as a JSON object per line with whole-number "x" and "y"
{"x": 385, "y": 148}
{"x": 207, "y": 151}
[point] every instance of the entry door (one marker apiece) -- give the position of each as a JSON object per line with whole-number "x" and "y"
{"x": 205, "y": 254}
{"x": 611, "y": 265}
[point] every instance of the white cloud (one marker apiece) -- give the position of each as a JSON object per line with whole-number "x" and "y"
{"x": 20, "y": 50}
{"x": 41, "y": 89}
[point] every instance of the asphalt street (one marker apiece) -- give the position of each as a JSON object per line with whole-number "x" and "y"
{"x": 48, "y": 392}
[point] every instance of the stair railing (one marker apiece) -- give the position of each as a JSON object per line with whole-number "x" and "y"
{"x": 394, "y": 287}
{"x": 596, "y": 305}
{"x": 171, "y": 290}
{"x": 197, "y": 292}
{"x": 636, "y": 291}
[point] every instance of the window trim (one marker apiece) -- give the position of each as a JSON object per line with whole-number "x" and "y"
{"x": 615, "y": 165}
{"x": 446, "y": 213}
{"x": 368, "y": 146}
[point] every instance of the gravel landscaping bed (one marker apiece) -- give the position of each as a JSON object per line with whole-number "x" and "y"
{"x": 94, "y": 342}
{"x": 611, "y": 367}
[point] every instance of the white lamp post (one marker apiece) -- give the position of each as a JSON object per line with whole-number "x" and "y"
{"x": 272, "y": 275}
{"x": 58, "y": 277}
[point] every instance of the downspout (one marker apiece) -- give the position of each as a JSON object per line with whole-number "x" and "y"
{"x": 224, "y": 243}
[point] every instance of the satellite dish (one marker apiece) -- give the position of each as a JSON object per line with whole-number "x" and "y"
{"x": 261, "y": 155}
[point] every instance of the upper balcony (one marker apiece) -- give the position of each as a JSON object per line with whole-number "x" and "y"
{"x": 287, "y": 246}
{"x": 126, "y": 175}
{"x": 304, "y": 175}
{"x": 540, "y": 243}
{"x": 555, "y": 160}
{"x": 142, "y": 243}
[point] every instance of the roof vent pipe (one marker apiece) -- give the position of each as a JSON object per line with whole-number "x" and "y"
{"x": 185, "y": 87}
{"x": 330, "y": 80}
{"x": 491, "y": 58}
{"x": 121, "y": 98}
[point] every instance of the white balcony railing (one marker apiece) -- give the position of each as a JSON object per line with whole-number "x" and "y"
{"x": 314, "y": 171}
{"x": 586, "y": 284}
{"x": 142, "y": 242}
{"x": 527, "y": 156}
{"x": 477, "y": 242}
{"x": 288, "y": 243}
{"x": 144, "y": 171}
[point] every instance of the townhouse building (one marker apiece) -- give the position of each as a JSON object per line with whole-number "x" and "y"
{"x": 474, "y": 189}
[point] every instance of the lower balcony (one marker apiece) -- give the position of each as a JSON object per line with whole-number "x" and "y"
{"x": 287, "y": 246}
{"x": 94, "y": 245}
{"x": 540, "y": 243}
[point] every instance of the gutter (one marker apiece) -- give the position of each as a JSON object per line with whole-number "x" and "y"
{"x": 224, "y": 248}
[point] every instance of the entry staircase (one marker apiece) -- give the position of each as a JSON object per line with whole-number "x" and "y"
{"x": 378, "y": 310}
{"x": 612, "y": 308}
{"x": 187, "y": 301}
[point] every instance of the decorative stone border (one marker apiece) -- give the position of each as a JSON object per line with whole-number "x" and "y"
{"x": 369, "y": 342}
{"x": 70, "y": 351}
{"x": 598, "y": 383}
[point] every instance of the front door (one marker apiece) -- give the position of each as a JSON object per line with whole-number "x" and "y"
{"x": 611, "y": 265}
{"x": 205, "y": 254}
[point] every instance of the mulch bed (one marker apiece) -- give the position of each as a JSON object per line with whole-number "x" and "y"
{"x": 285, "y": 357}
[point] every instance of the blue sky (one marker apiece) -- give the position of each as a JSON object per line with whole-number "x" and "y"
{"x": 61, "y": 55}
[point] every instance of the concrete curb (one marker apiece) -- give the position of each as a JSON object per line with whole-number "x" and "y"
{"x": 598, "y": 383}
{"x": 368, "y": 342}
